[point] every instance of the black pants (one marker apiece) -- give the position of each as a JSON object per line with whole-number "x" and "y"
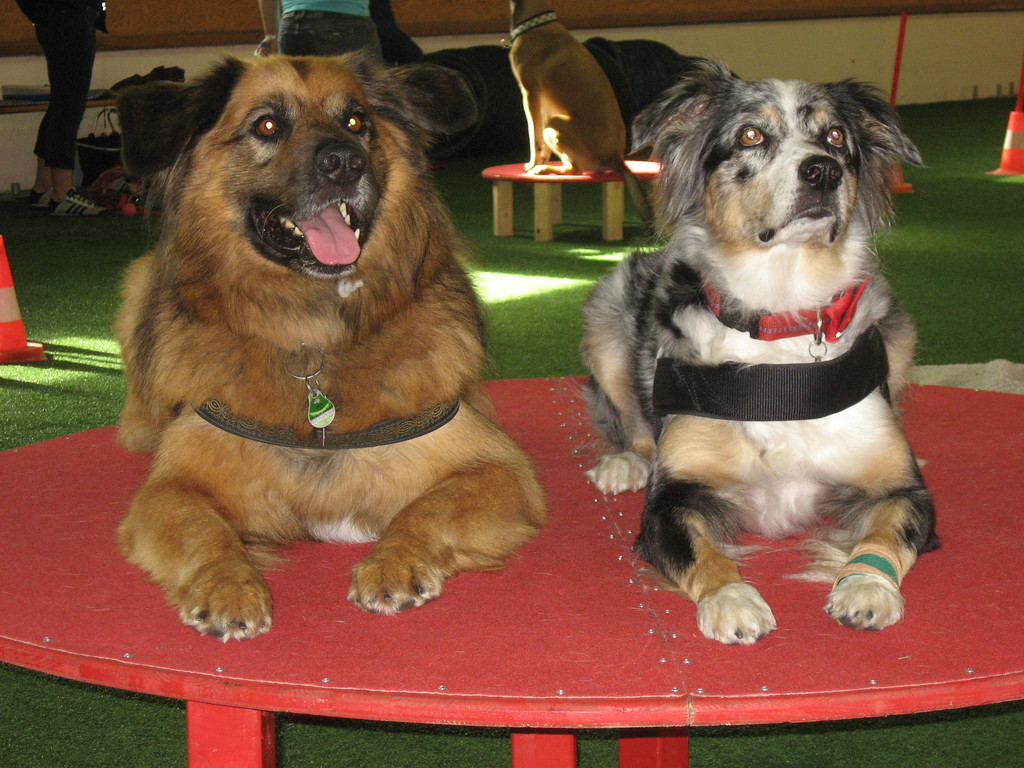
{"x": 68, "y": 37}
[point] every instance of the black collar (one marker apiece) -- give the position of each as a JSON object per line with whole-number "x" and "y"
{"x": 383, "y": 433}
{"x": 780, "y": 392}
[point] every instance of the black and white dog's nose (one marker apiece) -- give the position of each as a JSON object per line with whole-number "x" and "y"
{"x": 821, "y": 172}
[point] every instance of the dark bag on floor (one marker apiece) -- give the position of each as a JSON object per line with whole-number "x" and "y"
{"x": 101, "y": 149}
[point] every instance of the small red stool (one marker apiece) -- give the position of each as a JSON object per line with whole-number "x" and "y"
{"x": 547, "y": 196}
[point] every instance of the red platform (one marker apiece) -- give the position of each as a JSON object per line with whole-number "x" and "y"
{"x": 566, "y": 637}
{"x": 547, "y": 196}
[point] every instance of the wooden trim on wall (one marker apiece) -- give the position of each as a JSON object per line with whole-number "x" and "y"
{"x": 145, "y": 24}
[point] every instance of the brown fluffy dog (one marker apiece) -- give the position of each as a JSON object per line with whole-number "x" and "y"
{"x": 304, "y": 251}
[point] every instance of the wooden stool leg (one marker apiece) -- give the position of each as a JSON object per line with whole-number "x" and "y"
{"x": 501, "y": 194}
{"x": 543, "y": 749}
{"x": 613, "y": 209}
{"x": 556, "y": 203}
{"x": 543, "y": 220}
{"x": 229, "y": 737}
{"x": 654, "y": 748}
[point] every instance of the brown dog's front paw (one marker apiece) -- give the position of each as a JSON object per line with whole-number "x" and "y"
{"x": 389, "y": 584}
{"x": 226, "y": 600}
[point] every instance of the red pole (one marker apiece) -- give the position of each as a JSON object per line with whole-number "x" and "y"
{"x": 899, "y": 59}
{"x": 896, "y": 181}
{"x": 1020, "y": 87}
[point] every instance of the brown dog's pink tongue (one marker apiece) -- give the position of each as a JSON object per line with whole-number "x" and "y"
{"x": 329, "y": 238}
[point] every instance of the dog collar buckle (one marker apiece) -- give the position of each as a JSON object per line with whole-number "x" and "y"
{"x": 818, "y": 348}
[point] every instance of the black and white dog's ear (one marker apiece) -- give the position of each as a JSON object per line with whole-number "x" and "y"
{"x": 878, "y": 143}
{"x": 680, "y": 129}
{"x": 161, "y": 120}
{"x": 681, "y": 103}
{"x": 875, "y": 120}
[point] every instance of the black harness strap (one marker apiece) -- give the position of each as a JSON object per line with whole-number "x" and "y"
{"x": 782, "y": 392}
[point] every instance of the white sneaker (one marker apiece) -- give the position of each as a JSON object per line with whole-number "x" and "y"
{"x": 39, "y": 199}
{"x": 75, "y": 203}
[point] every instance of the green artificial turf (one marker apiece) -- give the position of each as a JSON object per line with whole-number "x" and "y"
{"x": 955, "y": 256}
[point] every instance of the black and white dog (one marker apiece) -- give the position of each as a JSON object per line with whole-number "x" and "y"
{"x": 747, "y": 373}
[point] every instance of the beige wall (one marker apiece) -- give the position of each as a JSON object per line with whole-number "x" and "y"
{"x": 947, "y": 57}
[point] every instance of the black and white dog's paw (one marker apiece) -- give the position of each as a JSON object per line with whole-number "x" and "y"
{"x": 619, "y": 472}
{"x": 735, "y": 614}
{"x": 865, "y": 601}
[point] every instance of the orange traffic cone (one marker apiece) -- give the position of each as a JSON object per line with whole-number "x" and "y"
{"x": 1012, "y": 162}
{"x": 14, "y": 347}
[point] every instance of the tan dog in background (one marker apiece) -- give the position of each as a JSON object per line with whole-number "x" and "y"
{"x": 571, "y": 109}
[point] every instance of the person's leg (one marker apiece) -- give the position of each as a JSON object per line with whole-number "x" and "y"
{"x": 326, "y": 34}
{"x": 68, "y": 38}
{"x": 42, "y": 182}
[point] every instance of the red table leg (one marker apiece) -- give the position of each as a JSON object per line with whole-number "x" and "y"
{"x": 543, "y": 749}
{"x": 229, "y": 737}
{"x": 654, "y": 748}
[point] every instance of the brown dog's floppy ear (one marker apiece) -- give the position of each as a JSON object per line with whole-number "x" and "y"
{"x": 160, "y": 120}
{"x": 431, "y": 97}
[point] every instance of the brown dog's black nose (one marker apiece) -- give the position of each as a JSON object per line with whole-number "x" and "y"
{"x": 821, "y": 172}
{"x": 341, "y": 163}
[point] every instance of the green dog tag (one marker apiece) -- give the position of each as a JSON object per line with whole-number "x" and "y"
{"x": 321, "y": 410}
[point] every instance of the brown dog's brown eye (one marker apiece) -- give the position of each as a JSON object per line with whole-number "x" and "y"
{"x": 751, "y": 137}
{"x": 266, "y": 126}
{"x": 836, "y": 138}
{"x": 355, "y": 124}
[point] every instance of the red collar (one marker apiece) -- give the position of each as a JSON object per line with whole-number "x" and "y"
{"x": 834, "y": 317}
